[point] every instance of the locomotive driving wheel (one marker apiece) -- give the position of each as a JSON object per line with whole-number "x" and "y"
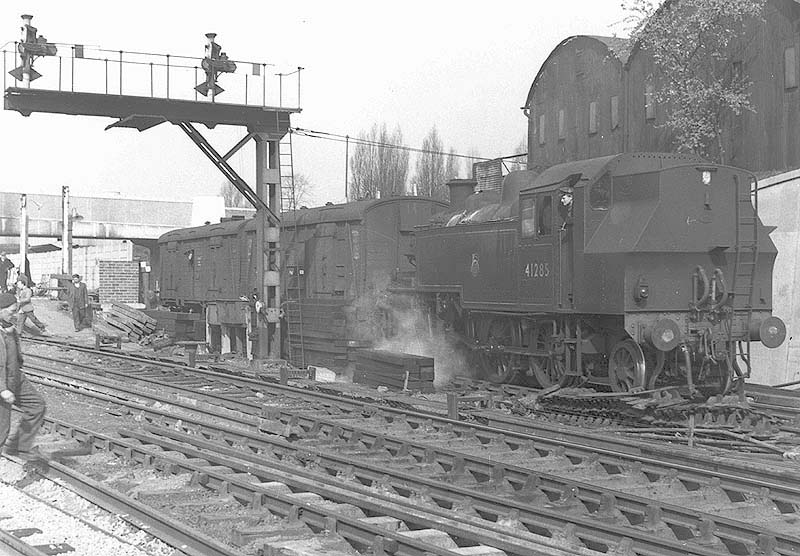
{"x": 499, "y": 333}
{"x": 626, "y": 366}
{"x": 547, "y": 368}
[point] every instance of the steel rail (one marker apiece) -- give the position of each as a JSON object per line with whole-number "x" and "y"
{"x": 12, "y": 546}
{"x": 266, "y": 468}
{"x": 733, "y": 529}
{"x": 601, "y": 529}
{"x": 255, "y": 494}
{"x": 187, "y": 539}
{"x": 737, "y": 475}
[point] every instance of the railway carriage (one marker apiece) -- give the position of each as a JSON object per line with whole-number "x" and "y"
{"x": 337, "y": 260}
{"x": 633, "y": 271}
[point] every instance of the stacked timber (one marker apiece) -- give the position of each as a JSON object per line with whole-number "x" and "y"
{"x": 323, "y": 332}
{"x": 398, "y": 371}
{"x": 128, "y": 321}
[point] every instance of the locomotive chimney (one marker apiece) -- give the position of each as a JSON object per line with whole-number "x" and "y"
{"x": 460, "y": 189}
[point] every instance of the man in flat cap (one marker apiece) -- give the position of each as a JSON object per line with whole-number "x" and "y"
{"x": 78, "y": 298}
{"x": 16, "y": 389}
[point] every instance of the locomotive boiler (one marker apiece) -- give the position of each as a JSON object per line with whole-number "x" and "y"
{"x": 633, "y": 271}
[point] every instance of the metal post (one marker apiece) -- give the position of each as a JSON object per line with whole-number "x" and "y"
{"x": 59, "y": 73}
{"x": 120, "y": 72}
{"x": 245, "y": 88}
{"x": 105, "y": 62}
{"x": 299, "y": 69}
{"x": 346, "y": 165}
{"x": 72, "y": 71}
{"x": 195, "y": 80}
{"x": 151, "y": 80}
{"x": 167, "y": 75}
{"x": 23, "y": 232}
{"x": 263, "y": 84}
{"x": 26, "y": 62}
{"x": 66, "y": 232}
{"x": 280, "y": 90}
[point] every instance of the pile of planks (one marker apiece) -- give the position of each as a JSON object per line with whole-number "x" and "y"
{"x": 126, "y": 321}
{"x": 323, "y": 332}
{"x": 398, "y": 371}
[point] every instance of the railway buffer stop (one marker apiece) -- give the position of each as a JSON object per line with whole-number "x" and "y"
{"x": 138, "y": 90}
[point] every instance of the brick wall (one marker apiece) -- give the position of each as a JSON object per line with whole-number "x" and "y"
{"x": 119, "y": 281}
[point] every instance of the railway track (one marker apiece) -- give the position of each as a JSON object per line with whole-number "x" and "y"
{"x": 40, "y": 517}
{"x": 465, "y": 461}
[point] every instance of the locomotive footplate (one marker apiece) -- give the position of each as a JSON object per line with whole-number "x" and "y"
{"x": 662, "y": 407}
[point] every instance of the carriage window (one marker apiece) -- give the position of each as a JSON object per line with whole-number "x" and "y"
{"x": 545, "y": 215}
{"x": 527, "y": 211}
{"x": 600, "y": 193}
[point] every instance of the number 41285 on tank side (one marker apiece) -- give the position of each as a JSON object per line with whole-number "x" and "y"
{"x": 636, "y": 271}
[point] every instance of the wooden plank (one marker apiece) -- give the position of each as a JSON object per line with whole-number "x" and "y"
{"x": 132, "y": 313}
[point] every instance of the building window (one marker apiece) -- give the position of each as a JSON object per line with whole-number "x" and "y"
{"x": 542, "y": 122}
{"x": 562, "y": 127}
{"x": 790, "y": 68}
{"x": 593, "y": 117}
{"x": 579, "y": 64}
{"x": 649, "y": 102}
{"x": 614, "y": 112}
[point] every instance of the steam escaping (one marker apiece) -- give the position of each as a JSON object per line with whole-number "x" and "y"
{"x": 417, "y": 332}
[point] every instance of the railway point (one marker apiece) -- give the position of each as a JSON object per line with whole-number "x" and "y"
{"x": 581, "y": 344}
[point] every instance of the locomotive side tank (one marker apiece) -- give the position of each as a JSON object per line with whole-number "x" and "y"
{"x": 634, "y": 271}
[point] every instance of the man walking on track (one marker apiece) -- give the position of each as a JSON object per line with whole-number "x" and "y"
{"x": 16, "y": 389}
{"x": 78, "y": 301}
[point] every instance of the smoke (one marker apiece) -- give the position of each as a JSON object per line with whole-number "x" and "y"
{"x": 417, "y": 332}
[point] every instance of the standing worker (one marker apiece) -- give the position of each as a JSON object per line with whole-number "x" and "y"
{"x": 15, "y": 389}
{"x": 5, "y": 266}
{"x": 24, "y": 294}
{"x": 78, "y": 301}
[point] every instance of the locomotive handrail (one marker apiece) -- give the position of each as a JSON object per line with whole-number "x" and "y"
{"x": 719, "y": 279}
{"x": 699, "y": 272}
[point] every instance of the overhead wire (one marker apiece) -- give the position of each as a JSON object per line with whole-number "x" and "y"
{"x": 315, "y": 134}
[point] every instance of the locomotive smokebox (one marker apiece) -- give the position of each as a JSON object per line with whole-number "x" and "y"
{"x": 771, "y": 331}
{"x": 460, "y": 189}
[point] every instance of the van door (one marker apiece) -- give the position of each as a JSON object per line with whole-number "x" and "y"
{"x": 535, "y": 267}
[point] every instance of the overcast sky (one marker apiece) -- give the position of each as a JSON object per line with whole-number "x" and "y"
{"x": 465, "y": 67}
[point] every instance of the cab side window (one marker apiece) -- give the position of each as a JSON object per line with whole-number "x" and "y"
{"x": 545, "y": 214}
{"x": 527, "y": 212}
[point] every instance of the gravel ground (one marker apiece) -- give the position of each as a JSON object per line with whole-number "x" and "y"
{"x": 65, "y": 517}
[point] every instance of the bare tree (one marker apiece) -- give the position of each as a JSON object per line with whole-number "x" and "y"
{"x": 378, "y": 166}
{"x": 233, "y": 197}
{"x": 696, "y": 79}
{"x": 430, "y": 175}
{"x": 473, "y": 156}
{"x": 520, "y": 162}
{"x": 303, "y": 194}
{"x": 452, "y": 167}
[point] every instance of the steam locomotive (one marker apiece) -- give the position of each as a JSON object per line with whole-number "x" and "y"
{"x": 633, "y": 271}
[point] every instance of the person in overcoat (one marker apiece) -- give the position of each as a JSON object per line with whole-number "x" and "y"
{"x": 17, "y": 390}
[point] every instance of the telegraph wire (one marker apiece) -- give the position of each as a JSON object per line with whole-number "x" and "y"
{"x": 315, "y": 134}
